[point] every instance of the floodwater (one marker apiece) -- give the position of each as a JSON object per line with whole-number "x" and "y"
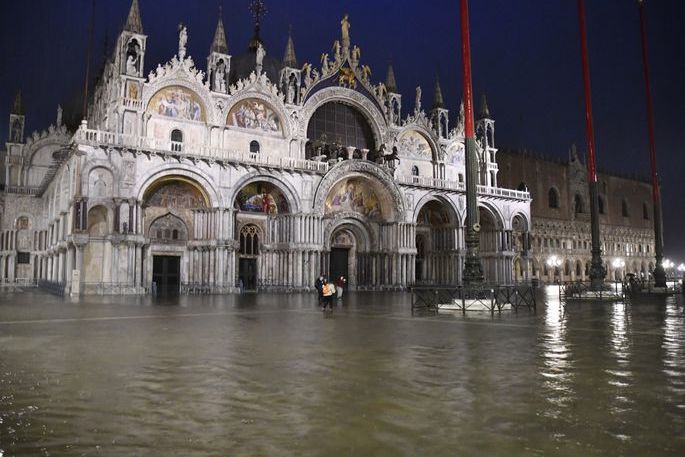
{"x": 271, "y": 375}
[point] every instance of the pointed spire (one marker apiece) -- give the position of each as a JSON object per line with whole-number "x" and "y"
{"x": 219, "y": 44}
{"x": 438, "y": 101}
{"x": 484, "y": 111}
{"x": 17, "y": 108}
{"x": 289, "y": 59}
{"x": 133, "y": 23}
{"x": 390, "y": 82}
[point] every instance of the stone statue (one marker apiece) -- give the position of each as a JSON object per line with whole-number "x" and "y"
{"x": 131, "y": 67}
{"x": 356, "y": 54}
{"x": 261, "y": 53}
{"x": 220, "y": 77}
{"x": 307, "y": 69}
{"x": 59, "y": 115}
{"x": 182, "y": 41}
{"x": 366, "y": 72}
{"x": 324, "y": 63}
{"x": 418, "y": 99}
{"x": 336, "y": 49}
{"x": 345, "y": 26}
{"x": 290, "y": 98}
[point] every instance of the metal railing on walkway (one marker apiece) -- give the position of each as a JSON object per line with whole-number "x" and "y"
{"x": 582, "y": 290}
{"x": 480, "y": 297}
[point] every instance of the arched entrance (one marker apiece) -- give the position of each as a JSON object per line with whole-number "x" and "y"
{"x": 176, "y": 212}
{"x": 491, "y": 246}
{"x": 264, "y": 230}
{"x": 436, "y": 243}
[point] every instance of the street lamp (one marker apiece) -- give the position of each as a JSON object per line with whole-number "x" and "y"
{"x": 554, "y": 262}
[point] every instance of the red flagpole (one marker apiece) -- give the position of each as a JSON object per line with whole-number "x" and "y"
{"x": 466, "y": 67}
{"x": 659, "y": 272}
{"x": 589, "y": 130}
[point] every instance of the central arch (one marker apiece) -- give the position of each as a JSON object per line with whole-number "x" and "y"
{"x": 373, "y": 179}
{"x": 436, "y": 241}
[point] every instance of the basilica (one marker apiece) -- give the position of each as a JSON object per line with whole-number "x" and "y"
{"x": 256, "y": 173}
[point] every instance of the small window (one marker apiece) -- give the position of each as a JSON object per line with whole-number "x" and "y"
{"x": 414, "y": 170}
{"x": 23, "y": 258}
{"x": 176, "y": 140}
{"x": 645, "y": 211}
{"x": 177, "y": 135}
{"x": 174, "y": 235}
{"x": 624, "y": 209}
{"x": 553, "y": 197}
{"x": 461, "y": 178}
{"x": 254, "y": 146}
{"x": 578, "y": 204}
{"x": 159, "y": 234}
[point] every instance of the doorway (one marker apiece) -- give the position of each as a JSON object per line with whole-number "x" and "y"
{"x": 166, "y": 274}
{"x": 247, "y": 271}
{"x": 339, "y": 263}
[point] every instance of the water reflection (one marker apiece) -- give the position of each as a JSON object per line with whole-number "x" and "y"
{"x": 557, "y": 370}
{"x": 620, "y": 376}
{"x": 673, "y": 346}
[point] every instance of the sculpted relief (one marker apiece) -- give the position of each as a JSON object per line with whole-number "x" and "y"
{"x": 256, "y": 115}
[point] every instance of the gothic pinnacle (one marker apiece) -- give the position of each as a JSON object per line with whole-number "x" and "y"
{"x": 289, "y": 58}
{"x": 484, "y": 111}
{"x": 219, "y": 44}
{"x": 133, "y": 23}
{"x": 438, "y": 101}
{"x": 17, "y": 108}
{"x": 390, "y": 82}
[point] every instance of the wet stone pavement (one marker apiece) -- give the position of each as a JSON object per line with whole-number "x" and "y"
{"x": 272, "y": 375}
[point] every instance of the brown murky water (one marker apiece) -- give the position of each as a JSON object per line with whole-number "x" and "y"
{"x": 272, "y": 375}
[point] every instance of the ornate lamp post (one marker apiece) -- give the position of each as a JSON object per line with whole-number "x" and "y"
{"x": 555, "y": 262}
{"x": 597, "y": 270}
{"x": 659, "y": 273}
{"x": 473, "y": 270}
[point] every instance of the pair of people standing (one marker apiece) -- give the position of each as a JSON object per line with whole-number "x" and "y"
{"x": 327, "y": 290}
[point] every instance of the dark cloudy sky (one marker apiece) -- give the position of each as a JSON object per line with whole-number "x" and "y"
{"x": 526, "y": 58}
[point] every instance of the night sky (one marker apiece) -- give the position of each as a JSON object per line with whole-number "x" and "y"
{"x": 526, "y": 58}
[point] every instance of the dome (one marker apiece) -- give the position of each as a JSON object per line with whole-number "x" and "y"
{"x": 244, "y": 64}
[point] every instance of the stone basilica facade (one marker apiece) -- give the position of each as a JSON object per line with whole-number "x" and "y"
{"x": 258, "y": 172}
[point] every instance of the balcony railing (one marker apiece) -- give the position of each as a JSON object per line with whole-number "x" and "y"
{"x": 99, "y": 137}
{"x": 426, "y": 181}
{"x": 25, "y": 190}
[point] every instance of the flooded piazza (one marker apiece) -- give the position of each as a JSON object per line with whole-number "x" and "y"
{"x": 271, "y": 375}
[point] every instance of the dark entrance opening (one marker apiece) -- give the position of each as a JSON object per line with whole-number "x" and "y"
{"x": 247, "y": 272}
{"x": 166, "y": 274}
{"x": 339, "y": 263}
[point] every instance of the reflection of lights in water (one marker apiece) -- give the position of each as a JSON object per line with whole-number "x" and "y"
{"x": 622, "y": 377}
{"x": 674, "y": 352}
{"x": 558, "y": 367}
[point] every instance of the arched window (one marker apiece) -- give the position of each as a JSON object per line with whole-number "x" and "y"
{"x": 600, "y": 203}
{"x": 249, "y": 240}
{"x": 578, "y": 204}
{"x": 645, "y": 211}
{"x": 553, "y": 198}
{"x": 254, "y": 146}
{"x": 176, "y": 140}
{"x": 414, "y": 170}
{"x": 624, "y": 208}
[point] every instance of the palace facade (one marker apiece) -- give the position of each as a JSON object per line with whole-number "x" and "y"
{"x": 560, "y": 238}
{"x": 258, "y": 172}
